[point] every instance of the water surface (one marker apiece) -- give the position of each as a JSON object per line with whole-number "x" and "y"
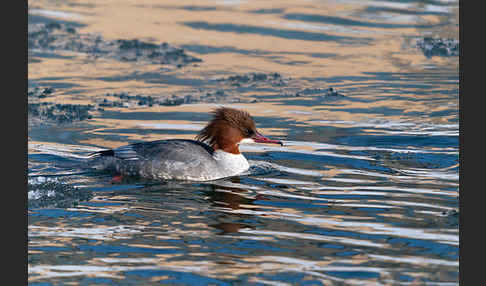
{"x": 364, "y": 192}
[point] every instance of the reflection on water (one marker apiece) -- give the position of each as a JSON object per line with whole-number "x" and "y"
{"x": 364, "y": 191}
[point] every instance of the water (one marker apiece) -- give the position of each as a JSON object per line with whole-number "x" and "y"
{"x": 364, "y": 192}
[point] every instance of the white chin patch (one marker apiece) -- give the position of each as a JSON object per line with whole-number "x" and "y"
{"x": 247, "y": 141}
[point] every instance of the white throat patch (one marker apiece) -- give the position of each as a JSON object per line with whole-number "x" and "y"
{"x": 247, "y": 141}
{"x": 231, "y": 164}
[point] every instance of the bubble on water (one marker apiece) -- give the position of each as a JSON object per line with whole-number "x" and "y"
{"x": 54, "y": 192}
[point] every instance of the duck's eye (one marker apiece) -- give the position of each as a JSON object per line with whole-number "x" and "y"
{"x": 248, "y": 132}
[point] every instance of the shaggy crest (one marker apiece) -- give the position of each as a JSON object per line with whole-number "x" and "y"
{"x": 225, "y": 116}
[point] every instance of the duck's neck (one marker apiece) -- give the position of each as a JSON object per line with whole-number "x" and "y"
{"x": 228, "y": 148}
{"x": 225, "y": 137}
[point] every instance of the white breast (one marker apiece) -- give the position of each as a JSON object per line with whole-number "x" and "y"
{"x": 230, "y": 164}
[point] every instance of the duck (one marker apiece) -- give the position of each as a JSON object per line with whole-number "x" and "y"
{"x": 213, "y": 154}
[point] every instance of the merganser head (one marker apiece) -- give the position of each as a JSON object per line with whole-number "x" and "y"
{"x": 230, "y": 127}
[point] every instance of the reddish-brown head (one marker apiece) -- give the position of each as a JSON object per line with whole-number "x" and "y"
{"x": 228, "y": 128}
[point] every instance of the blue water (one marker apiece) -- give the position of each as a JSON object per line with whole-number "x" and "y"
{"x": 365, "y": 189}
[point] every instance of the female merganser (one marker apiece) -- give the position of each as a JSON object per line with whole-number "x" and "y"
{"x": 193, "y": 160}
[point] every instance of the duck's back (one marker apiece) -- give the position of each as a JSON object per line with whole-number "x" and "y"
{"x": 162, "y": 159}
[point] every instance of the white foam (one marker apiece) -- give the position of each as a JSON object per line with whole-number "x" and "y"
{"x": 35, "y": 194}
